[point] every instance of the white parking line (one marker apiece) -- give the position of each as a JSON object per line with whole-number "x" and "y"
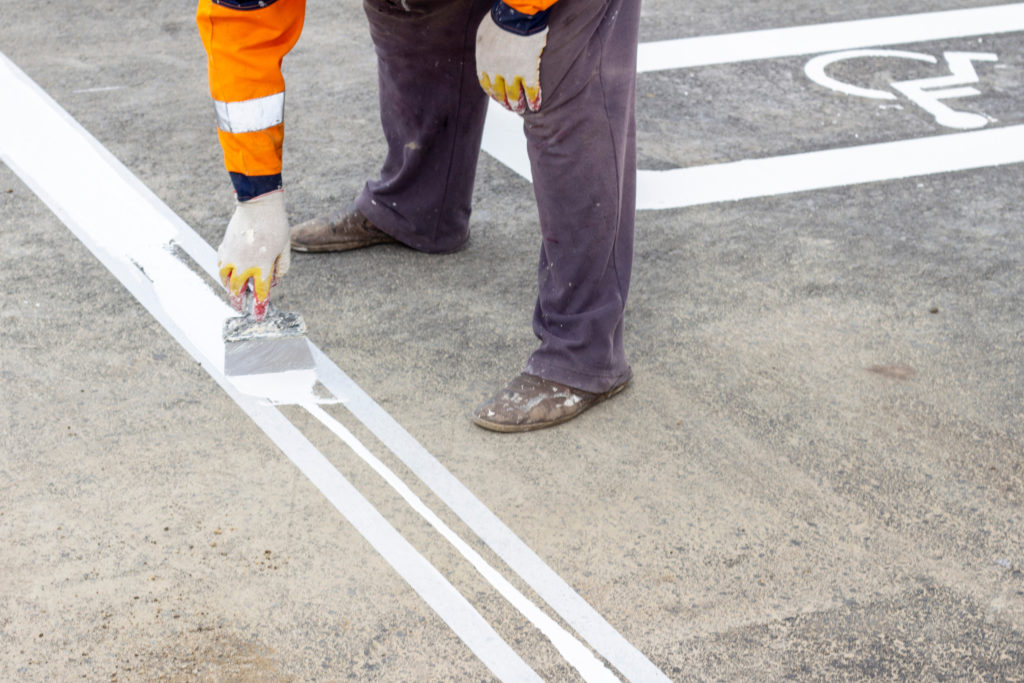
{"x": 831, "y": 168}
{"x": 134, "y": 234}
{"x": 505, "y": 141}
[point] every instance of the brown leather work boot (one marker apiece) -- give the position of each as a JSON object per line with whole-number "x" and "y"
{"x": 530, "y": 402}
{"x": 340, "y": 230}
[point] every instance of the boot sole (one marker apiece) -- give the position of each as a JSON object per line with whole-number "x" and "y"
{"x": 533, "y": 426}
{"x": 338, "y": 246}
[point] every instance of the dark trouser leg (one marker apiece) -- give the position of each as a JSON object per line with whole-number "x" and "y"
{"x": 432, "y": 112}
{"x": 582, "y": 146}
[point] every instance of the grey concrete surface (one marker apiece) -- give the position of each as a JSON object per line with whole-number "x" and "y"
{"x": 817, "y": 474}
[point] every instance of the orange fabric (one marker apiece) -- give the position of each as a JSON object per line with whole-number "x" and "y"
{"x": 530, "y": 6}
{"x": 244, "y": 50}
{"x": 256, "y": 153}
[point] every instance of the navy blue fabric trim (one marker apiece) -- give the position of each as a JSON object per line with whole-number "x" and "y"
{"x": 515, "y": 21}
{"x": 244, "y": 4}
{"x": 251, "y": 186}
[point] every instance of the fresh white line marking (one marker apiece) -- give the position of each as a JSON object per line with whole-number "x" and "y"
{"x": 551, "y": 587}
{"x": 574, "y": 652}
{"x": 131, "y": 232}
{"x": 505, "y": 141}
{"x": 47, "y": 133}
{"x": 684, "y": 53}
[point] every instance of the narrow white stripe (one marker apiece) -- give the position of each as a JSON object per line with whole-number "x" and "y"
{"x": 133, "y": 233}
{"x": 801, "y": 40}
{"x": 830, "y": 168}
{"x": 250, "y": 115}
{"x": 574, "y": 652}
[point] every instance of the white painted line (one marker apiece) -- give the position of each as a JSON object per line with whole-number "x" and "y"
{"x": 803, "y": 40}
{"x": 132, "y": 233}
{"x": 106, "y": 214}
{"x": 574, "y": 652}
{"x": 830, "y": 168}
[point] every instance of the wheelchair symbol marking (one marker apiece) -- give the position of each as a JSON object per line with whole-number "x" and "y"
{"x": 926, "y": 93}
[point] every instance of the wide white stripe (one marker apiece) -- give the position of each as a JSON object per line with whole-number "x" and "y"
{"x": 133, "y": 234}
{"x": 250, "y": 115}
{"x": 830, "y": 168}
{"x": 802, "y": 40}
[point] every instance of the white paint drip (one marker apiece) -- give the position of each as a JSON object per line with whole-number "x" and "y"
{"x": 104, "y": 88}
{"x": 574, "y": 652}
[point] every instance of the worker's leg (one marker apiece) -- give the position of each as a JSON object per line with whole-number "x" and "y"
{"x": 432, "y": 111}
{"x": 582, "y": 146}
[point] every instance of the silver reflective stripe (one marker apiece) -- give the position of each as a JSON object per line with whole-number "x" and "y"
{"x": 250, "y": 115}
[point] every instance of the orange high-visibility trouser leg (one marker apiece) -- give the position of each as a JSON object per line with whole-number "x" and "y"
{"x": 244, "y": 49}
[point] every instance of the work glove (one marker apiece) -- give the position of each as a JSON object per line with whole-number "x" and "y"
{"x": 255, "y": 252}
{"x": 508, "y": 50}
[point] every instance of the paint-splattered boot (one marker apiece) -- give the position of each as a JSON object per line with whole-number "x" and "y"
{"x": 530, "y": 402}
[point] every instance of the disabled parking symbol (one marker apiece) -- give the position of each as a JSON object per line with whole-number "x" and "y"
{"x": 926, "y": 93}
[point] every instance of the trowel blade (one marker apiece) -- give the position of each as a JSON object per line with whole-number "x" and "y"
{"x": 263, "y": 356}
{"x": 275, "y": 344}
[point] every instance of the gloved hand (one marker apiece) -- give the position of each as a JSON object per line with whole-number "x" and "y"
{"x": 508, "y": 50}
{"x": 255, "y": 249}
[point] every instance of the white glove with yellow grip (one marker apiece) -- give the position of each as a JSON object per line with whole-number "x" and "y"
{"x": 255, "y": 249}
{"x": 508, "y": 51}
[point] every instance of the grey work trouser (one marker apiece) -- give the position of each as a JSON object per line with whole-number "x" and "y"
{"x": 582, "y": 148}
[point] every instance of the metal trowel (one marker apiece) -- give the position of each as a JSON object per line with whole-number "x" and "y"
{"x": 257, "y": 347}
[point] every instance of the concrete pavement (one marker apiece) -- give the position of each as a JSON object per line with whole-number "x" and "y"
{"x": 816, "y": 474}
